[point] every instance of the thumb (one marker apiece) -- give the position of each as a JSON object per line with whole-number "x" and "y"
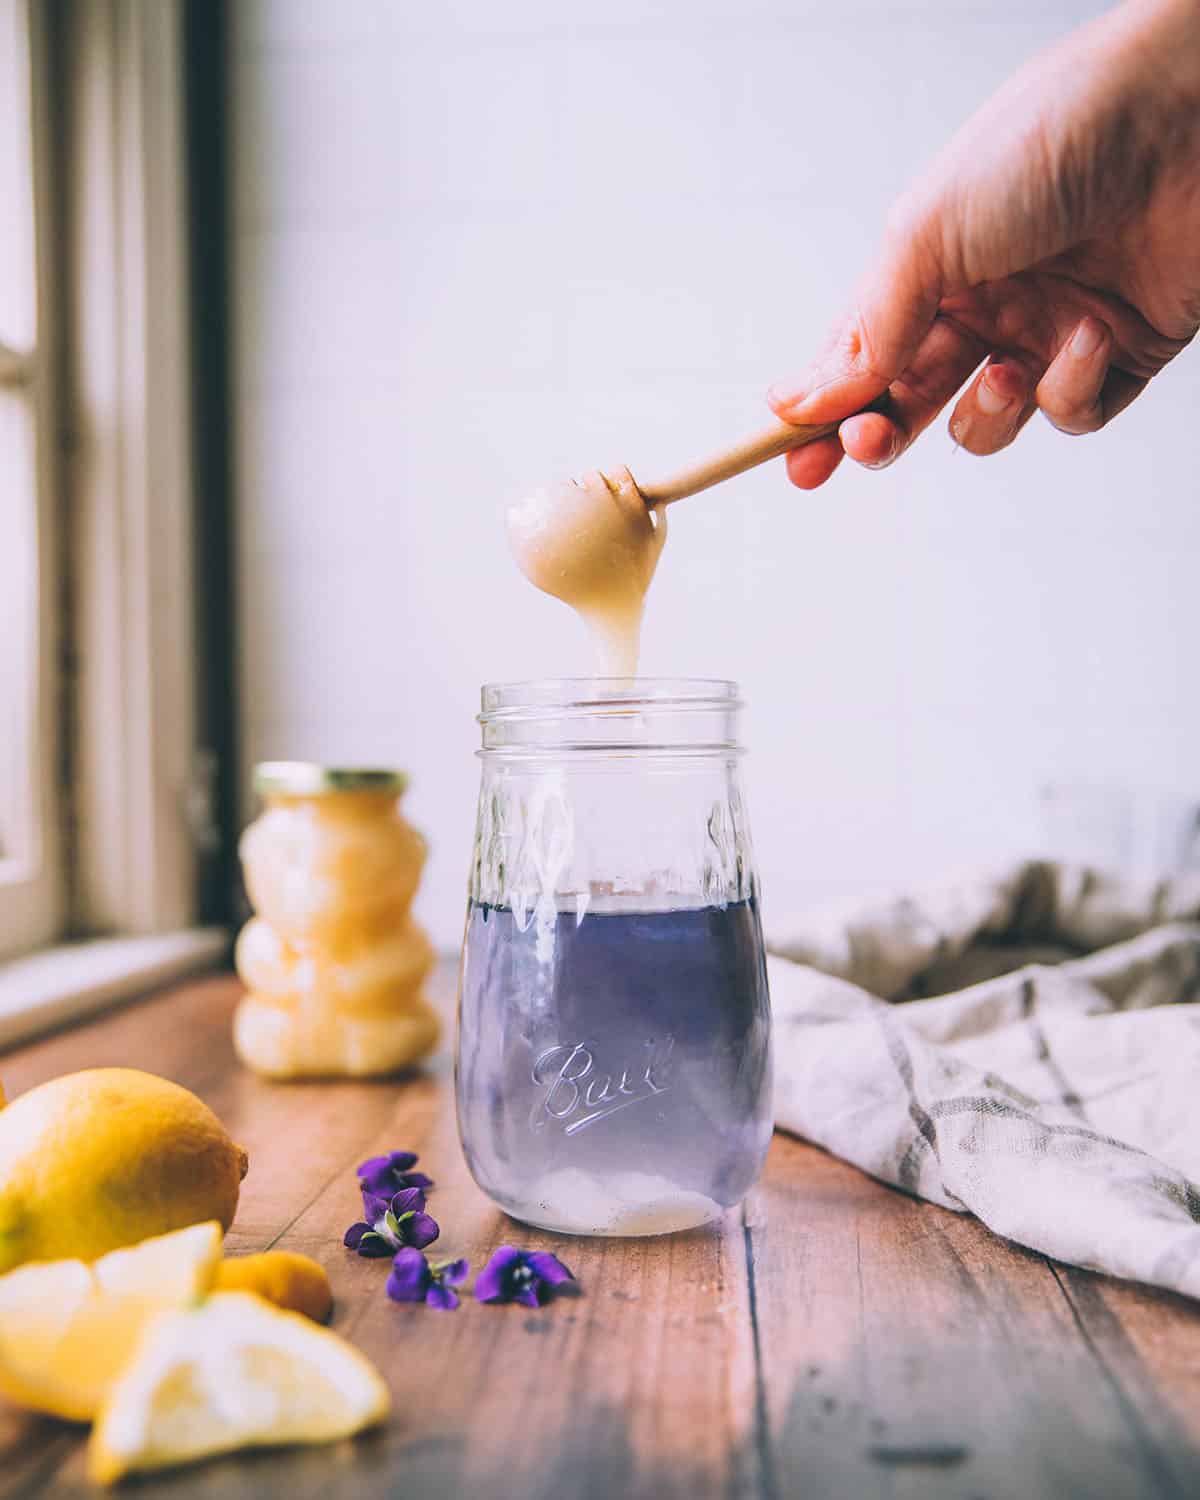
{"x": 892, "y": 310}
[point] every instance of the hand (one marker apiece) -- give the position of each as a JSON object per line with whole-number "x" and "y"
{"x": 1057, "y": 238}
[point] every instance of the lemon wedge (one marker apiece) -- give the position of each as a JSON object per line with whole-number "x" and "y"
{"x": 284, "y": 1277}
{"x": 231, "y": 1372}
{"x": 68, "y": 1329}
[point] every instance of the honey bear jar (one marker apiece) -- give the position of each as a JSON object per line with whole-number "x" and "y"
{"x": 332, "y": 961}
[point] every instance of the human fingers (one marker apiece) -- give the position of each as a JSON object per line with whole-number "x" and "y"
{"x": 1087, "y": 399}
{"x": 1079, "y": 391}
{"x": 1120, "y": 388}
{"x": 891, "y": 314}
{"x": 1070, "y": 391}
{"x": 995, "y": 406}
{"x": 809, "y": 467}
{"x": 944, "y": 360}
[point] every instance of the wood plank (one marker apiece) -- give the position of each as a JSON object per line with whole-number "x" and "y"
{"x": 296, "y": 1134}
{"x": 1147, "y": 1344}
{"x": 641, "y": 1384}
{"x": 644, "y": 1384}
{"x": 183, "y": 1034}
{"x": 882, "y": 1347}
{"x": 906, "y": 1351}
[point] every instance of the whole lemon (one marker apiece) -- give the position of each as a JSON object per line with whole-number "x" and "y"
{"x": 96, "y": 1160}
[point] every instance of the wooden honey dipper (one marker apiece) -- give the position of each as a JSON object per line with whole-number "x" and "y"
{"x": 772, "y": 442}
{"x": 595, "y": 542}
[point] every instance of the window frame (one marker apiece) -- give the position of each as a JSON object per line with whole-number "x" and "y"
{"x": 33, "y": 897}
{"x": 120, "y": 674}
{"x": 130, "y": 480}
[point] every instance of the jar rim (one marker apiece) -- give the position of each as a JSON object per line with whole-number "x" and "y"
{"x": 592, "y": 695}
{"x": 610, "y": 717}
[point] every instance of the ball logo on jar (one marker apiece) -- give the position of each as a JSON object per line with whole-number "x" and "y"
{"x": 576, "y": 1094}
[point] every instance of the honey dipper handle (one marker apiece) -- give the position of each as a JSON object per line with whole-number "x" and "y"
{"x": 779, "y": 438}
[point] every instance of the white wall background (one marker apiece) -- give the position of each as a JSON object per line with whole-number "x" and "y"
{"x": 484, "y": 244}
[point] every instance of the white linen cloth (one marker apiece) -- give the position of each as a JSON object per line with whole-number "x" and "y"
{"x": 1042, "y": 1073}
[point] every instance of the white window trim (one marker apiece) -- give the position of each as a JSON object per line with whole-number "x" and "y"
{"x": 64, "y": 983}
{"x": 131, "y": 472}
{"x": 31, "y": 883}
{"x": 126, "y": 467}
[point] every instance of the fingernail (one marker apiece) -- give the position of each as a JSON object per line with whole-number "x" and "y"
{"x": 998, "y": 390}
{"x": 893, "y": 452}
{"x": 1087, "y": 338}
{"x": 989, "y": 400}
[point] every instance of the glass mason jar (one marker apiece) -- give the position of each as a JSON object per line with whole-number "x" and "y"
{"x": 613, "y": 1064}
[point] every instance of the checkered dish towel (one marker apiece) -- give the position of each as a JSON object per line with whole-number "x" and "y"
{"x": 1043, "y": 1072}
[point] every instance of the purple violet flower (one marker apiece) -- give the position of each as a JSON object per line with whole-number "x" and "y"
{"x": 414, "y": 1279}
{"x": 525, "y": 1276}
{"x": 391, "y": 1224}
{"x": 385, "y": 1176}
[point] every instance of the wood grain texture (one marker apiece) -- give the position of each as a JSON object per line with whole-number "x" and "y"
{"x": 906, "y": 1351}
{"x": 772, "y": 442}
{"x": 834, "y": 1339}
{"x": 734, "y": 459}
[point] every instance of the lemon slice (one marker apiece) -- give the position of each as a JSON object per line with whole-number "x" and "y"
{"x": 232, "y": 1372}
{"x": 67, "y": 1329}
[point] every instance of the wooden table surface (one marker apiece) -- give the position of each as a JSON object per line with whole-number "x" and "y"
{"x": 834, "y": 1339}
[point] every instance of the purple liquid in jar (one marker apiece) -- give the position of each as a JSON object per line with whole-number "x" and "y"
{"x": 614, "y": 1071}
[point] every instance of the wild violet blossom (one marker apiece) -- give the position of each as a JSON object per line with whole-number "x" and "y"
{"x": 396, "y": 1224}
{"x": 391, "y": 1224}
{"x": 525, "y": 1276}
{"x": 414, "y": 1279}
{"x": 385, "y": 1176}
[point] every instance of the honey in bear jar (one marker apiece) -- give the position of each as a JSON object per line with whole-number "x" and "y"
{"x": 332, "y": 961}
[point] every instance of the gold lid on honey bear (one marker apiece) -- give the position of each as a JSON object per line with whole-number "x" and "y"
{"x": 305, "y": 778}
